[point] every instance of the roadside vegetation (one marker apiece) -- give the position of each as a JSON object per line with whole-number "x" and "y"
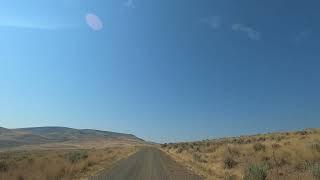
{"x": 289, "y": 155}
{"x": 59, "y": 164}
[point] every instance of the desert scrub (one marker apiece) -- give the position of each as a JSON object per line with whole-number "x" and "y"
{"x": 4, "y": 166}
{"x": 316, "y": 146}
{"x": 275, "y": 146}
{"x": 179, "y": 150}
{"x": 256, "y": 172}
{"x": 198, "y": 158}
{"x": 76, "y": 156}
{"x": 259, "y": 147}
{"x": 229, "y": 162}
{"x": 315, "y": 170}
{"x": 233, "y": 151}
{"x": 230, "y": 177}
{"x": 164, "y": 145}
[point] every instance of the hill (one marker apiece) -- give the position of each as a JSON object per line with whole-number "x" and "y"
{"x": 285, "y": 155}
{"x": 42, "y": 137}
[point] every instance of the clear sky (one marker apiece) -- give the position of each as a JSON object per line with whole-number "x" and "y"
{"x": 164, "y": 70}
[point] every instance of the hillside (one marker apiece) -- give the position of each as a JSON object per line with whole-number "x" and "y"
{"x": 62, "y": 137}
{"x": 286, "y": 155}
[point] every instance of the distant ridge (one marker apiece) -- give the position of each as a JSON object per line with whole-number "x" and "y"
{"x": 4, "y": 130}
{"x": 46, "y": 135}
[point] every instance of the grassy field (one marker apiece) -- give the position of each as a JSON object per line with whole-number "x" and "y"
{"x": 289, "y": 155}
{"x": 59, "y": 164}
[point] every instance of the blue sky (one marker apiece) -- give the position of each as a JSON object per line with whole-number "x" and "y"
{"x": 163, "y": 70}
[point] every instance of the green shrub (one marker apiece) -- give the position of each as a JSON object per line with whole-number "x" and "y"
{"x": 4, "y": 166}
{"x": 259, "y": 147}
{"x": 76, "y": 156}
{"x": 256, "y": 172}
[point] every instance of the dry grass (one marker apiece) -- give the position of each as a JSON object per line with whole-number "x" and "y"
{"x": 291, "y": 155}
{"x": 59, "y": 164}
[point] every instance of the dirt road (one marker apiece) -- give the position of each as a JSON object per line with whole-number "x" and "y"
{"x": 147, "y": 164}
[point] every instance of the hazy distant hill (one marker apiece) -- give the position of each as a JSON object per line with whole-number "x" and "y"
{"x": 48, "y": 135}
{"x": 4, "y": 130}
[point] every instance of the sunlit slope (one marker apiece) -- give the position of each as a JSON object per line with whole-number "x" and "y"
{"x": 61, "y": 136}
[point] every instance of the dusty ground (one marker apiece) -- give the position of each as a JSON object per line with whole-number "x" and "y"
{"x": 59, "y": 164}
{"x": 289, "y": 155}
{"x": 149, "y": 163}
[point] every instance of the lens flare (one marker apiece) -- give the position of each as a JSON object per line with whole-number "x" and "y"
{"x": 94, "y": 22}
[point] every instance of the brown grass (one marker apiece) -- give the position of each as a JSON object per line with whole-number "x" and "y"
{"x": 290, "y": 155}
{"x": 59, "y": 164}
